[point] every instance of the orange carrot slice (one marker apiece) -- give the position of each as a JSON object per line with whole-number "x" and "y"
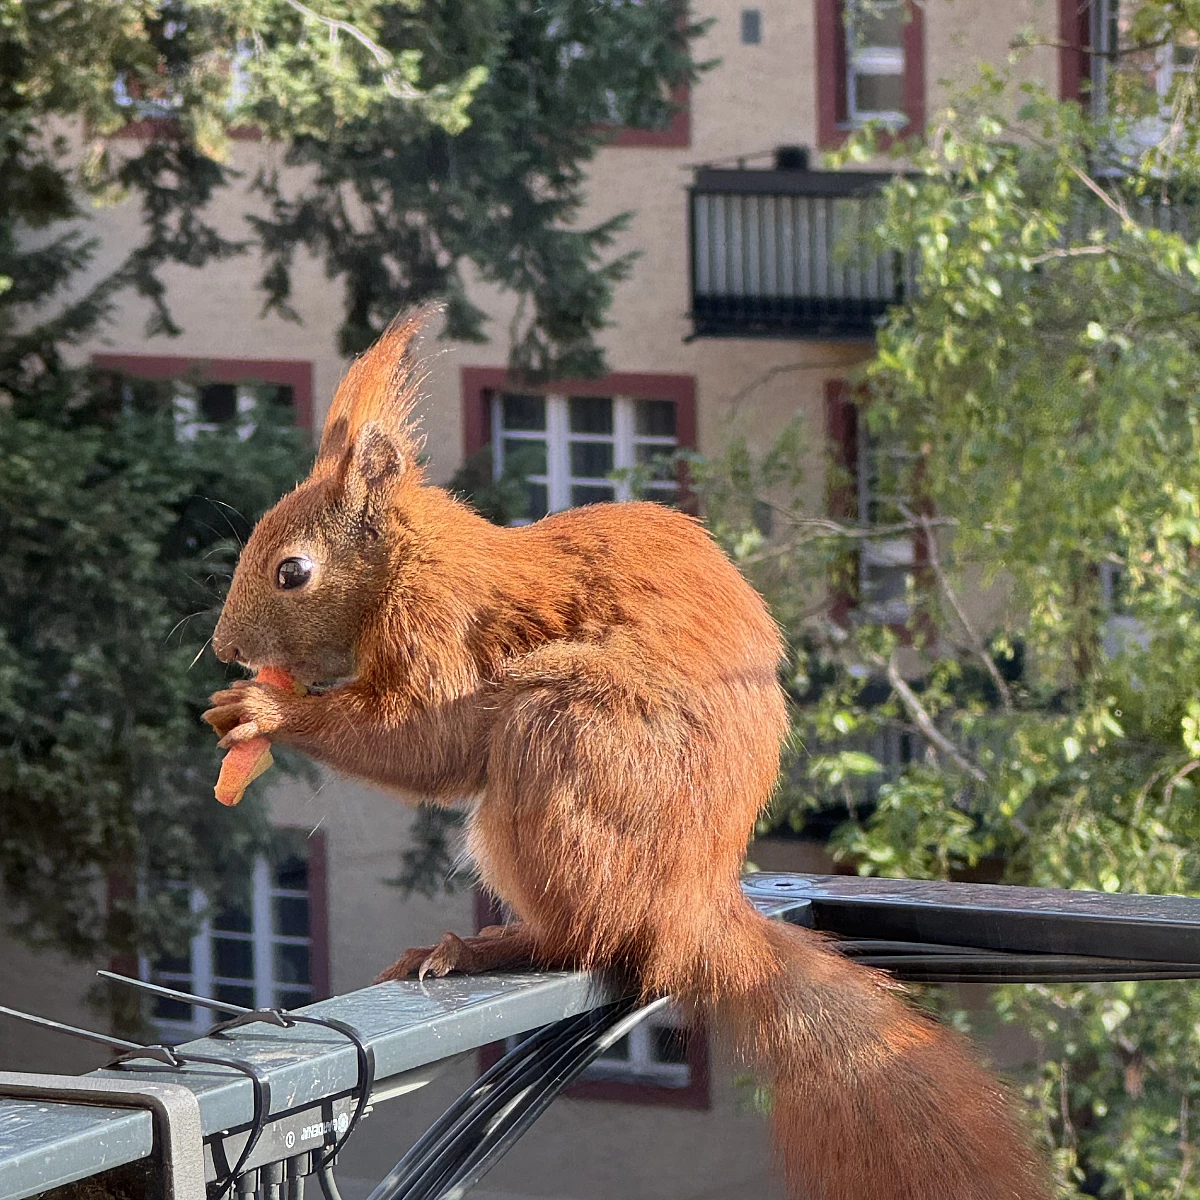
{"x": 246, "y": 761}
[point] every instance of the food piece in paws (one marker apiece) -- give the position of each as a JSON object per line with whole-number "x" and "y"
{"x": 246, "y": 761}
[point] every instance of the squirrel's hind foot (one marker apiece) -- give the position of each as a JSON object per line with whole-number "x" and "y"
{"x": 496, "y": 948}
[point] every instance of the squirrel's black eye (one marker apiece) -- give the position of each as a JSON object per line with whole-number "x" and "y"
{"x": 293, "y": 573}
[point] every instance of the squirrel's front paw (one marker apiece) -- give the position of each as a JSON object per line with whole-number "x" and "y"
{"x": 249, "y": 709}
{"x": 496, "y": 948}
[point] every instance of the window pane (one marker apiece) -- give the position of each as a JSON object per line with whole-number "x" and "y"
{"x": 233, "y": 959}
{"x": 591, "y": 414}
{"x": 217, "y": 402}
{"x": 291, "y": 964}
{"x": 291, "y": 874}
{"x": 878, "y": 93}
{"x": 232, "y": 918}
{"x": 660, "y": 460}
{"x": 171, "y": 1010}
{"x": 524, "y": 412}
{"x": 656, "y": 418}
{"x": 876, "y": 24}
{"x": 668, "y": 1044}
{"x": 618, "y": 1052}
{"x": 591, "y": 459}
{"x": 176, "y": 964}
{"x": 751, "y": 26}
{"x": 590, "y": 495}
{"x": 232, "y": 994}
{"x": 525, "y": 456}
{"x": 539, "y": 501}
{"x": 291, "y": 916}
{"x": 293, "y": 997}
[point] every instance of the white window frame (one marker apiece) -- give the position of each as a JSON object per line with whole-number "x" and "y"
{"x": 186, "y": 407}
{"x": 641, "y": 1066}
{"x": 202, "y": 980}
{"x": 558, "y": 438}
{"x": 871, "y": 60}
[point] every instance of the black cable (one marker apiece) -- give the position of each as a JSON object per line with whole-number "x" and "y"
{"x": 364, "y": 1083}
{"x": 487, "y": 1120}
{"x": 364, "y": 1053}
{"x": 328, "y": 1184}
{"x": 427, "y": 1159}
{"x": 511, "y": 1125}
{"x": 262, "y": 1103}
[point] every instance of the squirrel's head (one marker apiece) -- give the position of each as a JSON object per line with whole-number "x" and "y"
{"x": 317, "y": 565}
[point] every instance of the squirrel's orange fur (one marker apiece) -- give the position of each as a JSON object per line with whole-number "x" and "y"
{"x": 604, "y": 683}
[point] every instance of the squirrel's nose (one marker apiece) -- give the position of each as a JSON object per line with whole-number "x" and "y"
{"x": 226, "y": 651}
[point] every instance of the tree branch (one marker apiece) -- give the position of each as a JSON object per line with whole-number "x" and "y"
{"x": 397, "y": 87}
{"x": 976, "y": 642}
{"x": 924, "y": 722}
{"x": 1069, "y": 252}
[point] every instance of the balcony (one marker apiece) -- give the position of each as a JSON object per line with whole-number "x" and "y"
{"x": 783, "y": 253}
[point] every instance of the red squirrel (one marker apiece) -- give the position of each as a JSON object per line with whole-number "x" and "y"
{"x": 604, "y": 683}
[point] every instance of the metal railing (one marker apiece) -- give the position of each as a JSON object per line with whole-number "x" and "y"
{"x": 266, "y": 1101}
{"x": 785, "y": 253}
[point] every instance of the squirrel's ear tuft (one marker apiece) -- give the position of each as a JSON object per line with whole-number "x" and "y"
{"x": 380, "y": 388}
{"x": 374, "y": 464}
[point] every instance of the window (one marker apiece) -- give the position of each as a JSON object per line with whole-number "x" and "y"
{"x": 885, "y": 565}
{"x": 262, "y": 950}
{"x": 875, "y": 61}
{"x": 204, "y": 407}
{"x": 870, "y": 66}
{"x": 869, "y": 482}
{"x": 751, "y": 26}
{"x": 208, "y": 392}
{"x": 583, "y": 441}
{"x": 577, "y": 450}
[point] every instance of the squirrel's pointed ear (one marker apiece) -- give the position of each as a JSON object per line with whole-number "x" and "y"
{"x": 374, "y": 466}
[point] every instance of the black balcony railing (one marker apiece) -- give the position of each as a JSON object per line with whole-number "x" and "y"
{"x": 786, "y": 253}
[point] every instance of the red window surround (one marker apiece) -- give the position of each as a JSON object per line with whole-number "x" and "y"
{"x": 677, "y": 133}
{"x": 1074, "y": 37}
{"x": 841, "y": 432}
{"x": 832, "y": 122}
{"x": 695, "y": 1095}
{"x": 479, "y": 384}
{"x": 294, "y": 373}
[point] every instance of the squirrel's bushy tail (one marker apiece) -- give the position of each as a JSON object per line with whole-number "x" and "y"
{"x": 871, "y": 1100}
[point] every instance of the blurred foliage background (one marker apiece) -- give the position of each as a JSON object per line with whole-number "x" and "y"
{"x": 1033, "y": 420}
{"x": 435, "y": 135}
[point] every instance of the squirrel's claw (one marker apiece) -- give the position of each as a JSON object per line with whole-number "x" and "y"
{"x": 450, "y": 954}
{"x": 242, "y": 732}
{"x": 494, "y": 949}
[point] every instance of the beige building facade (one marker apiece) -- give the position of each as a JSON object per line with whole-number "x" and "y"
{"x": 669, "y": 1121}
